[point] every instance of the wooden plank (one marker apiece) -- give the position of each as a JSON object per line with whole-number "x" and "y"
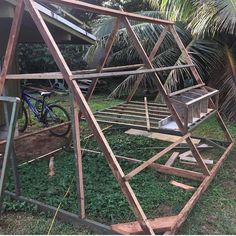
{"x": 126, "y": 115}
{"x": 149, "y": 103}
{"x": 192, "y": 159}
{"x": 130, "y": 111}
{"x": 185, "y": 154}
{"x": 141, "y": 105}
{"x": 172, "y": 159}
{"x": 159, "y": 136}
{"x": 159, "y": 225}
{"x": 124, "y": 120}
{"x": 11, "y": 46}
{"x": 126, "y": 73}
{"x": 78, "y": 157}
{"x": 156, "y": 111}
{"x": 210, "y": 94}
{"x": 154, "y": 158}
{"x": 186, "y": 89}
{"x": 147, "y": 114}
{"x": 182, "y": 186}
{"x": 58, "y": 75}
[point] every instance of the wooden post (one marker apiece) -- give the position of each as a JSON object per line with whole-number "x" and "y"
{"x": 11, "y": 46}
{"x": 78, "y": 156}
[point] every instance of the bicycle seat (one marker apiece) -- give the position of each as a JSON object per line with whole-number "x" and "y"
{"x": 46, "y": 94}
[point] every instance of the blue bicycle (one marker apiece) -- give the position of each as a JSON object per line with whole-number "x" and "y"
{"x": 47, "y": 114}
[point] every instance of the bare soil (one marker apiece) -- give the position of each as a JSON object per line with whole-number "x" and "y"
{"x": 35, "y": 146}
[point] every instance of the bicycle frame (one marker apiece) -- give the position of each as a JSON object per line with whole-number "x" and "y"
{"x": 38, "y": 114}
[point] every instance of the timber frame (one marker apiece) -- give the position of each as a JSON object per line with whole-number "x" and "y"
{"x": 168, "y": 225}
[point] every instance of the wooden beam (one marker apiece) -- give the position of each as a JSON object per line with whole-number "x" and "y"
{"x": 106, "y": 11}
{"x": 160, "y": 225}
{"x": 186, "y": 89}
{"x": 78, "y": 157}
{"x": 172, "y": 159}
{"x": 58, "y": 75}
{"x": 11, "y": 46}
{"x": 127, "y": 73}
{"x": 182, "y": 186}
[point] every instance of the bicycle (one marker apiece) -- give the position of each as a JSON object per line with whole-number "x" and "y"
{"x": 46, "y": 114}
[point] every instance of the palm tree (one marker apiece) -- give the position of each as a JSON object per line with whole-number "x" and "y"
{"x": 209, "y": 33}
{"x": 215, "y": 19}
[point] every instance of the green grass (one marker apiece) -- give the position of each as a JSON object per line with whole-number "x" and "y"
{"x": 214, "y": 214}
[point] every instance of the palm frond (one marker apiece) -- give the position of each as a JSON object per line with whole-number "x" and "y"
{"x": 178, "y": 10}
{"x": 212, "y": 17}
{"x": 226, "y": 84}
{"x": 202, "y": 53}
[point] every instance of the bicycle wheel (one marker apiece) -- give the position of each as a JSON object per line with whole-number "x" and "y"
{"x": 57, "y": 115}
{"x": 23, "y": 120}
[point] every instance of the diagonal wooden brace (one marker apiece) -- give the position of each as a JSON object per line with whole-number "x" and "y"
{"x": 151, "y": 57}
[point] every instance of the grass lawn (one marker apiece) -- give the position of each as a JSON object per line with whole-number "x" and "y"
{"x": 215, "y": 213}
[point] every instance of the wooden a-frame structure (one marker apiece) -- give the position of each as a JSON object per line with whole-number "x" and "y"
{"x": 199, "y": 95}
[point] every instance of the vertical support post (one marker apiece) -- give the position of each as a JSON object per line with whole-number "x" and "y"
{"x": 151, "y": 57}
{"x": 11, "y": 46}
{"x": 149, "y": 65}
{"x": 78, "y": 156}
{"x": 7, "y": 154}
{"x": 199, "y": 80}
{"x": 85, "y": 109}
{"x": 147, "y": 114}
{"x": 108, "y": 48}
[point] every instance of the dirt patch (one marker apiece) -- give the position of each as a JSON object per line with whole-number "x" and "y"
{"x": 35, "y": 146}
